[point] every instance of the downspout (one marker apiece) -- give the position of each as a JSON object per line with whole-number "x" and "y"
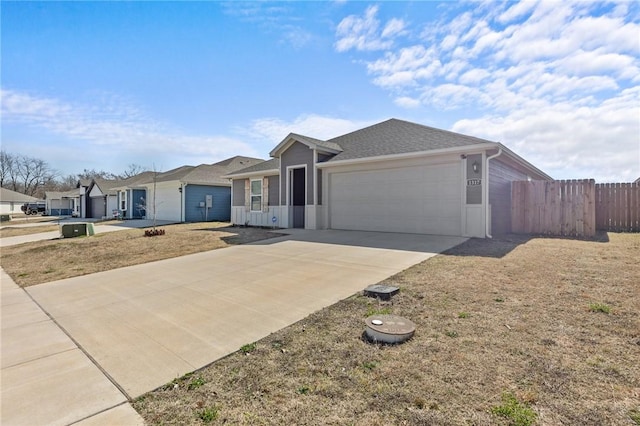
{"x": 486, "y": 191}
{"x": 182, "y": 212}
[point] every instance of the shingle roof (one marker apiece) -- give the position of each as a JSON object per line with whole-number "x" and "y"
{"x": 273, "y": 164}
{"x": 9, "y": 195}
{"x": 207, "y": 174}
{"x": 313, "y": 141}
{"x": 398, "y": 137}
{"x": 107, "y": 185}
{"x": 211, "y": 174}
{"x": 56, "y": 195}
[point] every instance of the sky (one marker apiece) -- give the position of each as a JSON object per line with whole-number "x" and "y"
{"x": 101, "y": 85}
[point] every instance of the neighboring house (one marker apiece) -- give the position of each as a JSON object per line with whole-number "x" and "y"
{"x": 185, "y": 194}
{"x": 394, "y": 176}
{"x": 131, "y": 196}
{"x": 100, "y": 198}
{"x": 11, "y": 201}
{"x": 63, "y": 203}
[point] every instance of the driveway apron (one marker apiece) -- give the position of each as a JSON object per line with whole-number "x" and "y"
{"x": 148, "y": 324}
{"x": 46, "y": 378}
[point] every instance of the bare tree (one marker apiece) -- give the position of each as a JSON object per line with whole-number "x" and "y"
{"x": 33, "y": 173}
{"x": 67, "y": 183}
{"x": 10, "y": 170}
{"x": 96, "y": 174}
{"x": 7, "y": 165}
{"x": 132, "y": 170}
{"x": 154, "y": 204}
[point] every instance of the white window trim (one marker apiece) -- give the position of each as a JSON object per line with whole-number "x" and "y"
{"x": 123, "y": 198}
{"x": 251, "y": 195}
{"x": 288, "y": 184}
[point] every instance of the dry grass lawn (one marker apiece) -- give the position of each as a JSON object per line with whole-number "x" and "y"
{"x": 509, "y": 331}
{"x": 45, "y": 261}
{"x": 15, "y": 231}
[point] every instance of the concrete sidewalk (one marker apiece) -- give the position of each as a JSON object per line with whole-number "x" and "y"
{"x": 148, "y": 324}
{"x": 46, "y": 378}
{"x": 99, "y": 229}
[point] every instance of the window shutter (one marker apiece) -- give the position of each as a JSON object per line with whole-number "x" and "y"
{"x": 265, "y": 195}
{"x": 247, "y": 195}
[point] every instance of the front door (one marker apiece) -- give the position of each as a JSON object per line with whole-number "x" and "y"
{"x": 297, "y": 196}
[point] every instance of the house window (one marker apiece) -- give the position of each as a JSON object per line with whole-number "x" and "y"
{"x": 256, "y": 195}
{"x": 123, "y": 200}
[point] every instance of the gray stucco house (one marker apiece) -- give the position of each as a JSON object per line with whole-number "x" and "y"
{"x": 394, "y": 176}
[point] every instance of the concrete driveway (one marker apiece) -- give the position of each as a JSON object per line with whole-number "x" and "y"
{"x": 148, "y": 324}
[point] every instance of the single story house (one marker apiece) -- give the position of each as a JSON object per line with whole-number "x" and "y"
{"x": 65, "y": 203}
{"x": 11, "y": 201}
{"x": 100, "y": 199}
{"x": 185, "y": 194}
{"x": 393, "y": 176}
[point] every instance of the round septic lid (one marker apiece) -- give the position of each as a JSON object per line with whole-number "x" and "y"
{"x": 389, "y": 328}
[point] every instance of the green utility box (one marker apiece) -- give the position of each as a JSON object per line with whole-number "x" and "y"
{"x": 71, "y": 230}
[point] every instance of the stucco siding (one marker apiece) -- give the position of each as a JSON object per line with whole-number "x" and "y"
{"x": 197, "y": 194}
{"x": 500, "y": 177}
{"x": 297, "y": 154}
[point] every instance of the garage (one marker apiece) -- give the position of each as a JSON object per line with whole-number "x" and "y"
{"x": 98, "y": 207}
{"x": 424, "y": 199}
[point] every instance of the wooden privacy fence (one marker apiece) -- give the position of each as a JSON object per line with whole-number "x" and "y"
{"x": 618, "y": 207}
{"x": 574, "y": 207}
{"x": 561, "y": 207}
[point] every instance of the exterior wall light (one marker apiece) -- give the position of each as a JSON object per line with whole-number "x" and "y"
{"x": 475, "y": 166}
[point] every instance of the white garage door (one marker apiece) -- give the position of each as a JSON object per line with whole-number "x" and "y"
{"x": 420, "y": 199}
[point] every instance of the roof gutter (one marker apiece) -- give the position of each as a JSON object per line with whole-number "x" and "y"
{"x": 486, "y": 192}
{"x": 268, "y": 172}
{"x": 467, "y": 149}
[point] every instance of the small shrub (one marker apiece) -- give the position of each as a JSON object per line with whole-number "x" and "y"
{"x": 208, "y": 414}
{"x": 600, "y": 307}
{"x": 248, "y": 348}
{"x": 635, "y": 416}
{"x": 499, "y": 299}
{"x": 464, "y": 315}
{"x": 451, "y": 333}
{"x": 519, "y": 414}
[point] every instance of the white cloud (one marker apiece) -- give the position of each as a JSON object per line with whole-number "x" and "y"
{"x": 535, "y": 71}
{"x": 116, "y": 124}
{"x": 273, "y": 130}
{"x": 516, "y": 11}
{"x": 407, "y": 102}
{"x": 363, "y": 33}
{"x": 394, "y": 27}
{"x": 601, "y": 141}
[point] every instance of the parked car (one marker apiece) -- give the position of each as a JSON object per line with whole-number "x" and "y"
{"x": 34, "y": 208}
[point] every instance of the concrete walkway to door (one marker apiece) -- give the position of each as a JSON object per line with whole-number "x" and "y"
{"x": 145, "y": 325}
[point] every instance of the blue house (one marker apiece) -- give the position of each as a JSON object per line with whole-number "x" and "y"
{"x": 185, "y": 194}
